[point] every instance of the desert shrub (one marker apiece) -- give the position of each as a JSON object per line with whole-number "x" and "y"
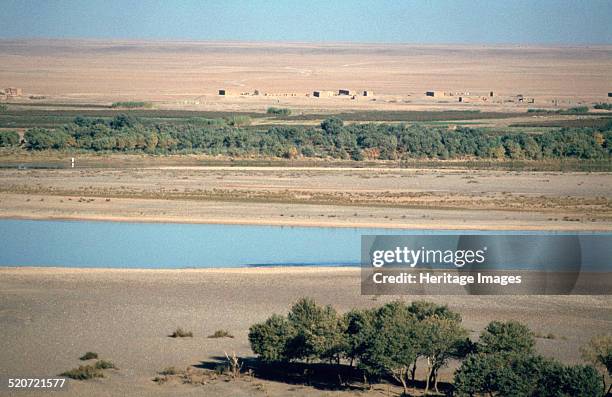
{"x": 603, "y": 106}
{"x": 9, "y": 138}
{"x": 221, "y": 333}
{"x": 88, "y": 356}
{"x": 506, "y": 337}
{"x": 181, "y": 333}
{"x": 279, "y": 111}
{"x": 83, "y": 372}
{"x": 104, "y": 364}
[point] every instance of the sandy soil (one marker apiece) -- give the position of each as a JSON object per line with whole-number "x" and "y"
{"x": 49, "y": 317}
{"x": 189, "y": 74}
{"x": 409, "y": 198}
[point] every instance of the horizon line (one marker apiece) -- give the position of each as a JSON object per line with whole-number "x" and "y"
{"x": 238, "y": 41}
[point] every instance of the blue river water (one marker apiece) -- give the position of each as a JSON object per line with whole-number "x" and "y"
{"x": 168, "y": 245}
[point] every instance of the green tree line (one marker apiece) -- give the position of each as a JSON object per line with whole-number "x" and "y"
{"x": 332, "y": 139}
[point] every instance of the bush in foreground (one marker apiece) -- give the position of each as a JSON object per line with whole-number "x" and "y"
{"x": 181, "y": 333}
{"x": 221, "y": 333}
{"x": 83, "y": 372}
{"x": 88, "y": 356}
{"x": 506, "y": 365}
{"x": 105, "y": 364}
{"x": 511, "y": 374}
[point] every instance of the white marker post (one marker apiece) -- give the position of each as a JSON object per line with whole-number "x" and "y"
{"x": 72, "y": 162}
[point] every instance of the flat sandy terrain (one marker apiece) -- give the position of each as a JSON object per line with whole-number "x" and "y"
{"x": 50, "y": 317}
{"x": 189, "y": 74}
{"x": 350, "y": 197}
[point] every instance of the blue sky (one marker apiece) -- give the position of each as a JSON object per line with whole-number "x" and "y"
{"x": 441, "y": 21}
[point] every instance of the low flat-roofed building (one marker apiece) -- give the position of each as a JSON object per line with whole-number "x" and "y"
{"x": 322, "y": 94}
{"x": 346, "y": 92}
{"x": 434, "y": 94}
{"x": 12, "y": 91}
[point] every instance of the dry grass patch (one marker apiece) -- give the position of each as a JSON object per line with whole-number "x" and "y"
{"x": 181, "y": 333}
{"x": 221, "y": 333}
{"x": 84, "y": 372}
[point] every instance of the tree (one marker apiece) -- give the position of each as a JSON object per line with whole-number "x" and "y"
{"x": 332, "y": 125}
{"x": 318, "y": 332}
{"x": 440, "y": 338}
{"x": 513, "y": 149}
{"x": 480, "y": 373}
{"x": 9, "y": 138}
{"x": 290, "y": 153}
{"x": 599, "y": 353}
{"x": 392, "y": 349}
{"x": 423, "y": 310}
{"x": 123, "y": 120}
{"x": 580, "y": 380}
{"x": 520, "y": 375}
{"x": 151, "y": 141}
{"x": 510, "y": 336}
{"x": 41, "y": 139}
{"x": 269, "y": 339}
{"x": 359, "y": 330}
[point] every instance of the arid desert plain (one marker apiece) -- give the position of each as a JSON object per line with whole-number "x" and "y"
{"x": 190, "y": 74}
